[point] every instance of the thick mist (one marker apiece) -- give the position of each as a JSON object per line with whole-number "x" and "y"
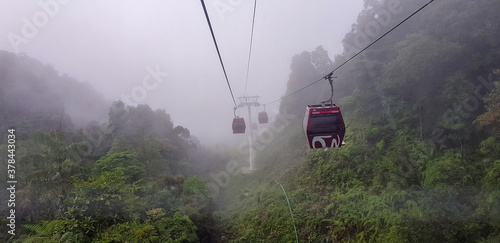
{"x": 161, "y": 52}
{"x": 115, "y": 119}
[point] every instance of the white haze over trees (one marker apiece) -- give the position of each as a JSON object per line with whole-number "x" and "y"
{"x": 161, "y": 52}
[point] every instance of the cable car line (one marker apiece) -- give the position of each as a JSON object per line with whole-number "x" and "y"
{"x": 218, "y": 52}
{"x": 355, "y": 55}
{"x": 250, "y": 49}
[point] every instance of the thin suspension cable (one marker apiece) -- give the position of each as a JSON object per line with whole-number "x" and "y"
{"x": 250, "y": 49}
{"x": 355, "y": 55}
{"x": 218, "y": 52}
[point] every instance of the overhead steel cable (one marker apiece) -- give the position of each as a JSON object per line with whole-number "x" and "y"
{"x": 355, "y": 55}
{"x": 250, "y": 49}
{"x": 218, "y": 52}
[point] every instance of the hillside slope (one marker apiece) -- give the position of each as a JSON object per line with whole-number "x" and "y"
{"x": 35, "y": 97}
{"x": 422, "y": 155}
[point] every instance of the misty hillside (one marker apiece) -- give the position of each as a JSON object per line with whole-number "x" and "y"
{"x": 102, "y": 182}
{"x": 34, "y": 97}
{"x": 86, "y": 161}
{"x": 421, "y": 160}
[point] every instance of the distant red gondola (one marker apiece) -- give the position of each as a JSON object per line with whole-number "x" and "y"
{"x": 238, "y": 125}
{"x": 324, "y": 126}
{"x": 263, "y": 117}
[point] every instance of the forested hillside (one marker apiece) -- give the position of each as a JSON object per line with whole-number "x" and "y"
{"x": 136, "y": 185}
{"x": 129, "y": 178}
{"x": 422, "y": 154}
{"x": 35, "y": 97}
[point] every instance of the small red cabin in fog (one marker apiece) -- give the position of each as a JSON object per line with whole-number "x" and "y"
{"x": 324, "y": 126}
{"x": 263, "y": 117}
{"x": 238, "y": 125}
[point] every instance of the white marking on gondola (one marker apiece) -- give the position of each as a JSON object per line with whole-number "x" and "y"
{"x": 320, "y": 139}
{"x": 336, "y": 142}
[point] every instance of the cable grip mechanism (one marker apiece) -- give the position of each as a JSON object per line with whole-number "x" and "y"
{"x": 330, "y": 78}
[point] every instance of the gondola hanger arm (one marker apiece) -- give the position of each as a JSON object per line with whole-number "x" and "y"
{"x": 330, "y": 78}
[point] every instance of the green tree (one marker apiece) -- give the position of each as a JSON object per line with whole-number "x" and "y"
{"x": 49, "y": 174}
{"x": 492, "y": 115}
{"x": 127, "y": 163}
{"x": 107, "y": 198}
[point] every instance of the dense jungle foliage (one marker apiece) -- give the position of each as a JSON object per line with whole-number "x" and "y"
{"x": 421, "y": 161}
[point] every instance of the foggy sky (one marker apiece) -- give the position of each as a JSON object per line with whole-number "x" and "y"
{"x": 115, "y": 44}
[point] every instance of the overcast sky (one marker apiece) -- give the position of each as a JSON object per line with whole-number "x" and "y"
{"x": 115, "y": 45}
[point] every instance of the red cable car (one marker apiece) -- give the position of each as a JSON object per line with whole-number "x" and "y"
{"x": 238, "y": 125}
{"x": 324, "y": 126}
{"x": 263, "y": 117}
